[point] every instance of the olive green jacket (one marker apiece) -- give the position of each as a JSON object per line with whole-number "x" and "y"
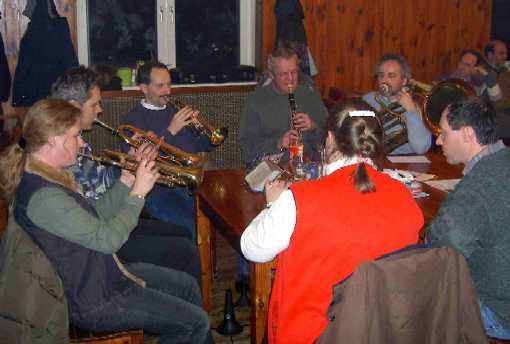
{"x": 33, "y": 306}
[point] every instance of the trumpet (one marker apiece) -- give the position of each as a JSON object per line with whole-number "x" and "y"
{"x": 171, "y": 175}
{"x": 167, "y": 153}
{"x": 200, "y": 126}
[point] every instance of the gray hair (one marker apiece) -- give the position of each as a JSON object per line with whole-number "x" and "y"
{"x": 75, "y": 84}
{"x": 284, "y": 50}
{"x": 401, "y": 60}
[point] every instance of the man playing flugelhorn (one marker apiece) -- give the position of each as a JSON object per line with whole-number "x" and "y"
{"x": 393, "y": 74}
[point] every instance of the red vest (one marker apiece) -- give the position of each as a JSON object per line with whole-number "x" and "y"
{"x": 336, "y": 229}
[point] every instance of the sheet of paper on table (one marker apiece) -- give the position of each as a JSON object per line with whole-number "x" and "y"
{"x": 408, "y": 159}
{"x": 445, "y": 185}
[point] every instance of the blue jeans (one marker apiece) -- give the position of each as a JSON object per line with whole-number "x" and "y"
{"x": 170, "y": 305}
{"x": 493, "y": 327}
{"x": 173, "y": 206}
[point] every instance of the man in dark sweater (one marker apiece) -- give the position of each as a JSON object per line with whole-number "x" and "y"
{"x": 475, "y": 217}
{"x": 154, "y": 115}
{"x": 265, "y": 125}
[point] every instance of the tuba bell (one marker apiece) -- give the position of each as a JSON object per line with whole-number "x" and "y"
{"x": 200, "y": 126}
{"x": 438, "y": 97}
{"x": 171, "y": 175}
{"x": 167, "y": 153}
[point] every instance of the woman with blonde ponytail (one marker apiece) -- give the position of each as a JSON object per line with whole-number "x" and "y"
{"x": 321, "y": 230}
{"x": 80, "y": 236}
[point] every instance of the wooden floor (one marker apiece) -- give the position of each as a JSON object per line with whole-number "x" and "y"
{"x": 225, "y": 279}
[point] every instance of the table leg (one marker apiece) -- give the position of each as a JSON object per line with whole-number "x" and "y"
{"x": 204, "y": 247}
{"x": 260, "y": 288}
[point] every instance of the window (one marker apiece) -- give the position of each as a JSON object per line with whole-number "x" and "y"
{"x": 187, "y": 34}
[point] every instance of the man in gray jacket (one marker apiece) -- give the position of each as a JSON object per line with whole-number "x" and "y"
{"x": 475, "y": 217}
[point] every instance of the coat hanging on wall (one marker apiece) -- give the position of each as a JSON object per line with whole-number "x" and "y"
{"x": 289, "y": 28}
{"x": 46, "y": 51}
{"x": 5, "y": 75}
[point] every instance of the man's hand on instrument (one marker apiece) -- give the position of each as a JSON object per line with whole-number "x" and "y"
{"x": 146, "y": 150}
{"x": 303, "y": 122}
{"x": 481, "y": 70}
{"x": 404, "y": 98}
{"x": 274, "y": 189}
{"x": 287, "y": 138}
{"x": 181, "y": 119}
{"x": 146, "y": 175}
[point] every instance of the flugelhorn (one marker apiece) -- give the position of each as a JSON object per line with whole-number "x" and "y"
{"x": 167, "y": 153}
{"x": 199, "y": 125}
{"x": 171, "y": 175}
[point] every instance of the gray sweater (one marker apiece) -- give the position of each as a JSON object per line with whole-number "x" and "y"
{"x": 266, "y": 117}
{"x": 475, "y": 219}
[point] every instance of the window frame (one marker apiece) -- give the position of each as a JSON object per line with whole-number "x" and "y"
{"x": 165, "y": 22}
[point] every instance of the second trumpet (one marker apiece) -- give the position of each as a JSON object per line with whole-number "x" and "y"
{"x": 199, "y": 125}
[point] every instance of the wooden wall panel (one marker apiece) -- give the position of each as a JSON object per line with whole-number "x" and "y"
{"x": 347, "y": 37}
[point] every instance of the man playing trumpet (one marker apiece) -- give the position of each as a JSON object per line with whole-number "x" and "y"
{"x": 393, "y": 74}
{"x": 156, "y": 116}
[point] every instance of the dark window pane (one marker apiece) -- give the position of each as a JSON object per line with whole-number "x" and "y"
{"x": 122, "y": 32}
{"x": 207, "y": 34}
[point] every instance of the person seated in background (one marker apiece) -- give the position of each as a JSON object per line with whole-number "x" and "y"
{"x": 107, "y": 78}
{"x": 496, "y": 53}
{"x": 265, "y": 123}
{"x": 471, "y": 69}
{"x": 393, "y": 75}
{"x": 152, "y": 241}
{"x": 475, "y": 217}
{"x": 156, "y": 115}
{"x": 324, "y": 225}
{"x": 80, "y": 236}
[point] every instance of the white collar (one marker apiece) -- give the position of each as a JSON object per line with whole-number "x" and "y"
{"x": 346, "y": 161}
{"x": 150, "y": 106}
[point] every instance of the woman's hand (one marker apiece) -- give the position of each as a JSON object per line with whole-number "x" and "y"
{"x": 146, "y": 175}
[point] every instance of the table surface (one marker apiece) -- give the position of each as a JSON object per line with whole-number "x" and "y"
{"x": 231, "y": 205}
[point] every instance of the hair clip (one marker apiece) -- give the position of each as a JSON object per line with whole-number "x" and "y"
{"x": 359, "y": 113}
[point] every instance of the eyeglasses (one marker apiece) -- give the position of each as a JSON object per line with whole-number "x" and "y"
{"x": 291, "y": 73}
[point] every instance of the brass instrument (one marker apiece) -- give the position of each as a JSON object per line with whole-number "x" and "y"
{"x": 439, "y": 97}
{"x": 171, "y": 175}
{"x": 199, "y": 125}
{"x": 430, "y": 101}
{"x": 392, "y": 121}
{"x": 167, "y": 153}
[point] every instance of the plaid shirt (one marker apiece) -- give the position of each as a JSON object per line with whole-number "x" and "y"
{"x": 490, "y": 149}
{"x": 95, "y": 179}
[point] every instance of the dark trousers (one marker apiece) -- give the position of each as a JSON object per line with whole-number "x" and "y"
{"x": 170, "y": 305}
{"x": 162, "y": 244}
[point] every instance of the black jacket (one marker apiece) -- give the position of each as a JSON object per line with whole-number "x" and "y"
{"x": 46, "y": 51}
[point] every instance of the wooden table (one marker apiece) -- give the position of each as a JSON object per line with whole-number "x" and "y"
{"x": 226, "y": 204}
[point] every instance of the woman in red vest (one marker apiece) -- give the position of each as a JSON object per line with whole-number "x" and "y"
{"x": 322, "y": 230}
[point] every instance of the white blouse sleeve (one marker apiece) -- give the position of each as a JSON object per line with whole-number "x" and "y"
{"x": 270, "y": 232}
